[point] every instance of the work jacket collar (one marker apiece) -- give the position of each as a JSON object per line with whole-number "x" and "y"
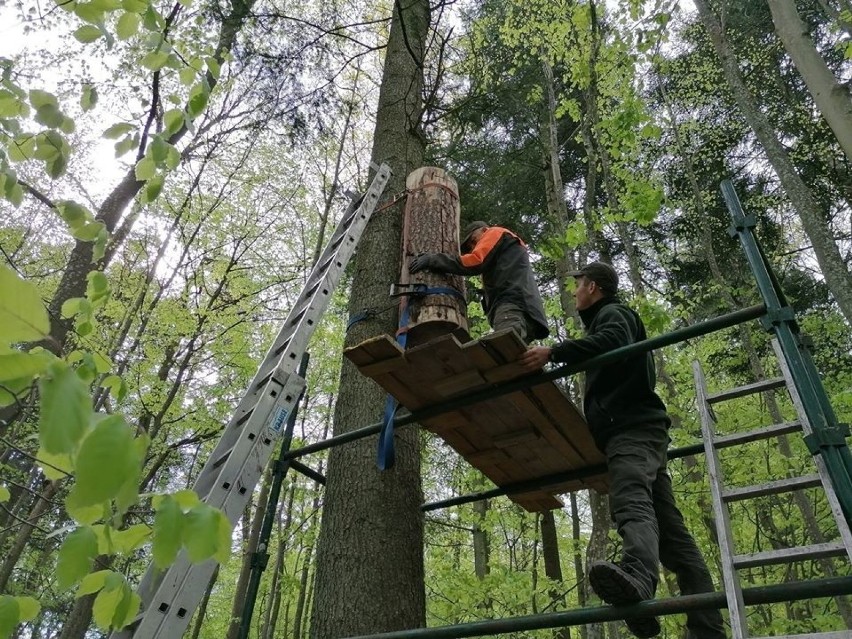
{"x": 588, "y": 314}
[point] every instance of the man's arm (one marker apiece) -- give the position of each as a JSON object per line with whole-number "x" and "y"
{"x": 615, "y": 329}
{"x": 472, "y": 263}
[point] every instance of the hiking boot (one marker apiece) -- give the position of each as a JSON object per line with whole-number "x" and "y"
{"x": 618, "y": 587}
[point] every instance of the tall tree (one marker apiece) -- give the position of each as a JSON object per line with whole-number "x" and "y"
{"x": 831, "y": 97}
{"x": 818, "y": 231}
{"x": 369, "y": 575}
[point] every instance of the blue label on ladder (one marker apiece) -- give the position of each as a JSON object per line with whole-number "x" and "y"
{"x": 276, "y": 424}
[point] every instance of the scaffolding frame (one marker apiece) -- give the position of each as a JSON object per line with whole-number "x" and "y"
{"x": 827, "y": 440}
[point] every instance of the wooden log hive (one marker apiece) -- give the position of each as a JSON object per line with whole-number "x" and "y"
{"x": 431, "y": 225}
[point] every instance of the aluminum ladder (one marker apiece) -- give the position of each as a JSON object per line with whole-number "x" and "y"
{"x": 170, "y": 597}
{"x": 722, "y": 496}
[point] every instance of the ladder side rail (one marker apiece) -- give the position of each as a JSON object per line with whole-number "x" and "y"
{"x": 781, "y": 321}
{"x": 310, "y": 305}
{"x": 167, "y": 595}
{"x": 733, "y": 589}
{"x": 175, "y": 600}
{"x": 822, "y": 470}
{"x": 231, "y": 473}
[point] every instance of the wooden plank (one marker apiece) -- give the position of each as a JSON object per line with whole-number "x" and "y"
{"x": 513, "y": 438}
{"x": 466, "y": 381}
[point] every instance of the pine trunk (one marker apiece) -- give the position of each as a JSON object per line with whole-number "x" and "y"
{"x": 369, "y": 569}
{"x": 831, "y": 97}
{"x": 819, "y": 232}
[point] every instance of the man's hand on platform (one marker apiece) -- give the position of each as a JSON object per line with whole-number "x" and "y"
{"x": 535, "y": 358}
{"x": 422, "y": 262}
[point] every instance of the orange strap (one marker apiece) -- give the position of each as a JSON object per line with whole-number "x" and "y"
{"x": 485, "y": 245}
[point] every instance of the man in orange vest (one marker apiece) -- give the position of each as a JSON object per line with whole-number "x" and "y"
{"x": 511, "y": 298}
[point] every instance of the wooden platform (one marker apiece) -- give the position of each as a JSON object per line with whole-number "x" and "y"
{"x": 521, "y": 436}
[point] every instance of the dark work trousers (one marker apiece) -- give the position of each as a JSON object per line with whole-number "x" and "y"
{"x": 650, "y": 523}
{"x": 512, "y": 316}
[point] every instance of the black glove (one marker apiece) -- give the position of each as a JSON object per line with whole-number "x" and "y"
{"x": 420, "y": 263}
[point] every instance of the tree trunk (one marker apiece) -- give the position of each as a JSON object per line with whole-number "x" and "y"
{"x": 831, "y": 97}
{"x": 14, "y": 553}
{"x": 553, "y": 567}
{"x": 369, "y": 568}
{"x": 431, "y": 225}
{"x": 579, "y": 575}
{"x": 202, "y": 609}
{"x": 818, "y": 231}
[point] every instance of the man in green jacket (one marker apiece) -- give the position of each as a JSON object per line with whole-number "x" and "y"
{"x": 629, "y": 423}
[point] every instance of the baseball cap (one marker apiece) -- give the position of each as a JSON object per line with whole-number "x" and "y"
{"x": 470, "y": 228}
{"x": 601, "y": 274}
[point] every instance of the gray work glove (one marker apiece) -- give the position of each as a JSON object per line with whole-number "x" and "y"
{"x": 422, "y": 262}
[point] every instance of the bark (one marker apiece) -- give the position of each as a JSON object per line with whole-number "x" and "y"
{"x": 202, "y": 608}
{"x": 13, "y": 554}
{"x": 579, "y": 576}
{"x": 553, "y": 568}
{"x": 241, "y": 586}
{"x": 431, "y": 225}
{"x": 813, "y": 221}
{"x": 481, "y": 552}
{"x": 369, "y": 569}
{"x": 831, "y": 97}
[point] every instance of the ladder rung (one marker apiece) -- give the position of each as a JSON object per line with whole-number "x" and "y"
{"x": 771, "y": 488}
{"x": 748, "y": 389}
{"x": 789, "y": 555}
{"x": 221, "y": 459}
{"x": 758, "y": 434}
{"x": 831, "y": 634}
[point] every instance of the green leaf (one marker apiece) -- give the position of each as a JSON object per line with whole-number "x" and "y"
{"x": 83, "y": 514}
{"x": 22, "y": 148}
{"x": 56, "y": 167}
{"x": 92, "y": 582}
{"x": 106, "y": 604}
{"x": 153, "y": 189}
{"x": 11, "y": 390}
{"x": 197, "y": 101}
{"x": 128, "y": 25}
{"x": 23, "y": 317}
{"x": 11, "y": 106}
{"x": 187, "y": 76}
{"x": 74, "y": 214}
{"x": 205, "y": 535}
{"x": 10, "y": 612}
{"x": 124, "y": 145}
{"x": 54, "y": 466}
{"x": 49, "y": 115}
{"x": 76, "y": 556}
{"x": 172, "y": 158}
{"x": 136, "y": 6}
{"x": 213, "y": 67}
{"x": 173, "y": 121}
{"x": 105, "y": 461}
{"x": 89, "y": 97}
{"x": 39, "y": 98}
{"x": 16, "y": 364}
{"x": 128, "y": 540}
{"x": 89, "y": 232}
{"x": 117, "y": 130}
{"x": 115, "y": 385}
{"x": 71, "y": 307}
{"x": 145, "y": 169}
{"x": 28, "y": 608}
{"x": 66, "y": 409}
{"x": 88, "y": 32}
{"x": 155, "y": 60}
{"x": 89, "y": 12}
{"x": 5, "y": 495}
{"x": 186, "y": 499}
{"x": 168, "y": 532}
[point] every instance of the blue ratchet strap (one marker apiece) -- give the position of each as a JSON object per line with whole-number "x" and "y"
{"x": 385, "y": 456}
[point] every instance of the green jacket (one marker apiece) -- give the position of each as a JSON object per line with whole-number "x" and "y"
{"x": 620, "y": 395}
